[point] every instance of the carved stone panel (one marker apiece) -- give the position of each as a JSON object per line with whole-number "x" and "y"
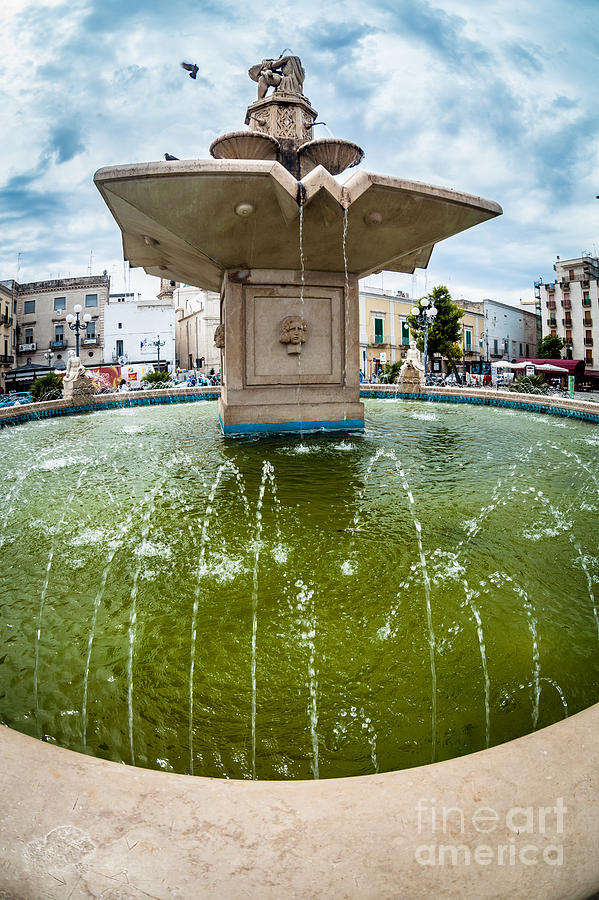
{"x": 267, "y": 358}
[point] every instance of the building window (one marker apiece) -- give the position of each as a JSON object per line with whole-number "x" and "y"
{"x": 120, "y": 324}
{"x": 90, "y": 331}
{"x": 29, "y": 307}
{"x": 521, "y": 350}
{"x": 586, "y": 298}
{"x": 91, "y": 299}
{"x": 378, "y": 331}
{"x": 495, "y": 348}
{"x": 571, "y": 274}
{"x": 58, "y": 334}
{"x": 119, "y": 348}
{"x": 60, "y": 304}
{"x": 29, "y": 335}
{"x": 468, "y": 336}
{"x": 405, "y": 334}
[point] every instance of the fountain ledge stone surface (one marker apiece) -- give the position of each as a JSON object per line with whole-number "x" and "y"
{"x": 79, "y": 827}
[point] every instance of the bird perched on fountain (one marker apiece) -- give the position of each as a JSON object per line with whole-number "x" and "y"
{"x": 191, "y": 68}
{"x": 168, "y": 157}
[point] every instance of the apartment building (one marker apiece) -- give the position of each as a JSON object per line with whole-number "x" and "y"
{"x": 198, "y": 314}
{"x": 570, "y": 307}
{"x": 506, "y": 332}
{"x": 7, "y": 330}
{"x": 43, "y": 334}
{"x": 140, "y": 332}
{"x": 385, "y": 332}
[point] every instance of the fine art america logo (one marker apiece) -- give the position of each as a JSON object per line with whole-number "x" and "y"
{"x": 524, "y": 835}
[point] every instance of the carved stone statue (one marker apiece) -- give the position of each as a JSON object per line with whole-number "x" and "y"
{"x": 293, "y": 331}
{"x": 75, "y": 367}
{"x": 76, "y": 384}
{"x": 285, "y": 74}
{"x": 219, "y": 336}
{"x": 413, "y": 357}
{"x": 411, "y": 376}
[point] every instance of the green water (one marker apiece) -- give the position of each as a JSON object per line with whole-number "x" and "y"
{"x": 472, "y": 566}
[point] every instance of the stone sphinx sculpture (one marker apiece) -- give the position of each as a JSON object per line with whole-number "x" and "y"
{"x": 285, "y": 74}
{"x": 411, "y": 377}
{"x": 292, "y": 331}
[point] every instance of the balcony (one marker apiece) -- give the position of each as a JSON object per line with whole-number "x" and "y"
{"x": 587, "y": 323}
{"x": 588, "y": 360}
{"x": 27, "y": 348}
{"x": 586, "y": 301}
{"x": 551, "y": 304}
{"x": 380, "y": 340}
{"x": 5, "y": 359}
{"x": 566, "y": 303}
{"x": 122, "y": 358}
{"x": 91, "y": 340}
{"x": 59, "y": 343}
{"x": 588, "y": 341}
{"x": 567, "y": 322}
{"x": 5, "y": 320}
{"x": 552, "y": 323}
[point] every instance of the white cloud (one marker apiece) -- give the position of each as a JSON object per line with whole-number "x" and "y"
{"x": 487, "y": 98}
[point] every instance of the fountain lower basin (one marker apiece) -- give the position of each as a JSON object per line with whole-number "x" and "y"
{"x": 90, "y": 817}
{"x": 302, "y": 539}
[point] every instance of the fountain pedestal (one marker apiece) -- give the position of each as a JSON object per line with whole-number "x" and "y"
{"x": 291, "y": 354}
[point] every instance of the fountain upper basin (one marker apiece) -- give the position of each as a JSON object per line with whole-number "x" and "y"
{"x": 181, "y": 219}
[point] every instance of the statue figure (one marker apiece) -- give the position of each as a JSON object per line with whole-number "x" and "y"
{"x": 411, "y": 375}
{"x": 219, "y": 336}
{"x": 285, "y": 74}
{"x": 75, "y": 367}
{"x": 413, "y": 357}
{"x": 293, "y": 333}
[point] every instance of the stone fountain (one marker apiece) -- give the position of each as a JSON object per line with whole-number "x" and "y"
{"x": 266, "y": 223}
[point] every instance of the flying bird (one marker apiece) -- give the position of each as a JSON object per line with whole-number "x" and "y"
{"x": 191, "y": 68}
{"x": 168, "y": 157}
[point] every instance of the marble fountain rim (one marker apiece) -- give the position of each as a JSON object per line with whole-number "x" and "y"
{"x": 318, "y": 179}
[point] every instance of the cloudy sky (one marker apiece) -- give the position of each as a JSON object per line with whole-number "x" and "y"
{"x": 492, "y": 97}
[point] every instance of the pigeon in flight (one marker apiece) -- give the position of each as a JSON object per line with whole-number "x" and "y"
{"x": 191, "y": 68}
{"x": 168, "y": 157}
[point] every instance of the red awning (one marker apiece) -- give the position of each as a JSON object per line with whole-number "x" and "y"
{"x": 574, "y": 366}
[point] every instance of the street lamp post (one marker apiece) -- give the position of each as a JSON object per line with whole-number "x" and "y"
{"x": 158, "y": 344}
{"x": 77, "y": 326}
{"x": 424, "y": 314}
{"x": 49, "y": 355}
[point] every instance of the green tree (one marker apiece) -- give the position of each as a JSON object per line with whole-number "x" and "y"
{"x": 48, "y": 387}
{"x": 529, "y": 384}
{"x": 391, "y": 372}
{"x": 157, "y": 379}
{"x": 550, "y": 347}
{"x": 444, "y": 334}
